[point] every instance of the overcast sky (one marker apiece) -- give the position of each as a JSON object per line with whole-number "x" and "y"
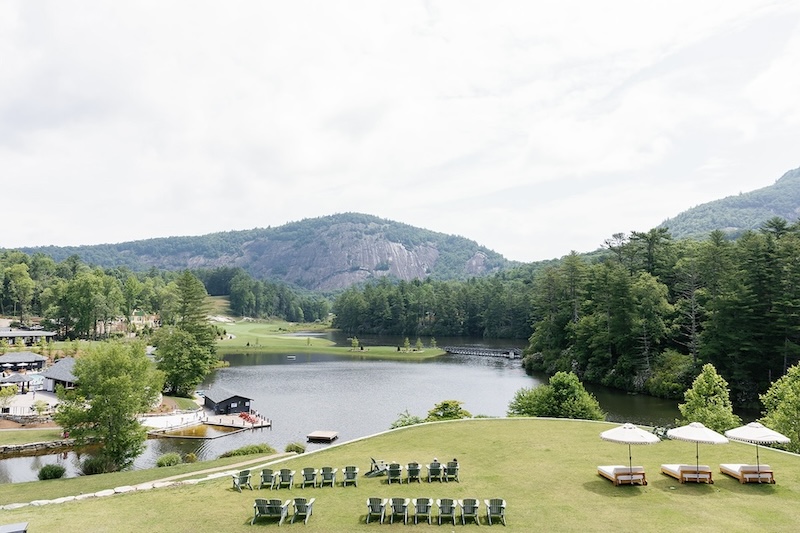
{"x": 533, "y": 128}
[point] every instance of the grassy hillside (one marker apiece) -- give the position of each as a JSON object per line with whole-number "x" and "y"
{"x": 545, "y": 469}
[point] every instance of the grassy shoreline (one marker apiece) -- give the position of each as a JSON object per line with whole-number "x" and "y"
{"x": 277, "y": 337}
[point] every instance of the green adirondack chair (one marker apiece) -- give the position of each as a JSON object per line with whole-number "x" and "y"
{"x": 267, "y": 478}
{"x": 309, "y": 476}
{"x": 242, "y": 479}
{"x": 447, "y": 509}
{"x": 394, "y": 473}
{"x": 376, "y": 507}
{"x": 469, "y": 509}
{"x": 350, "y": 475}
{"x": 434, "y": 471}
{"x": 270, "y": 509}
{"x": 496, "y": 508}
{"x": 422, "y": 508}
{"x": 327, "y": 474}
{"x": 398, "y": 507}
{"x": 451, "y": 471}
{"x": 285, "y": 478}
{"x": 303, "y": 508}
{"x": 413, "y": 473}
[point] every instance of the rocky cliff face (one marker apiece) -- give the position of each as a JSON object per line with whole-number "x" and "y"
{"x": 325, "y": 253}
{"x": 347, "y": 253}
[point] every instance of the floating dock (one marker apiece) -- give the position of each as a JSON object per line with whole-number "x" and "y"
{"x": 322, "y": 436}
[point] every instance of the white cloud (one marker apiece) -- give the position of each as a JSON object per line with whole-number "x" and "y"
{"x": 533, "y": 128}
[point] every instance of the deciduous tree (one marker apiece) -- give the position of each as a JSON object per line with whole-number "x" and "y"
{"x": 708, "y": 401}
{"x": 115, "y": 384}
{"x": 564, "y": 397}
{"x": 782, "y": 407}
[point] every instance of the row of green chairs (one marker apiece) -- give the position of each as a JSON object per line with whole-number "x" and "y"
{"x": 423, "y": 507}
{"x": 436, "y": 472}
{"x": 274, "y": 508}
{"x": 285, "y": 477}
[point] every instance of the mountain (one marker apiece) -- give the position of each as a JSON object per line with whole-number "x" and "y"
{"x": 746, "y": 211}
{"x": 325, "y": 253}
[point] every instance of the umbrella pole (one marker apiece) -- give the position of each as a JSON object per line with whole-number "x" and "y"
{"x": 758, "y": 465}
{"x": 630, "y": 461}
{"x": 697, "y": 455}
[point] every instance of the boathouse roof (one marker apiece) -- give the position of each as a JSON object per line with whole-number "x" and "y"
{"x": 220, "y": 394}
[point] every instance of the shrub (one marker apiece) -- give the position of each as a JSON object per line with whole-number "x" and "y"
{"x": 169, "y": 459}
{"x": 51, "y": 472}
{"x": 296, "y": 447}
{"x": 406, "y": 419}
{"x": 97, "y": 465}
{"x": 190, "y": 458}
{"x": 563, "y": 397}
{"x": 251, "y": 449}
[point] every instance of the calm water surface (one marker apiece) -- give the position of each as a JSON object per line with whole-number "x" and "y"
{"x": 355, "y": 397}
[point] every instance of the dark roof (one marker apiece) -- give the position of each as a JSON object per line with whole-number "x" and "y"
{"x": 219, "y": 394}
{"x": 21, "y": 357}
{"x": 61, "y": 370}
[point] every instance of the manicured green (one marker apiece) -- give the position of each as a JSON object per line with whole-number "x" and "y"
{"x": 185, "y": 404}
{"x": 27, "y": 436}
{"x": 273, "y": 337}
{"x": 544, "y": 468}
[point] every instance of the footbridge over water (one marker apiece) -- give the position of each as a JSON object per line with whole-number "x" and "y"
{"x": 508, "y": 353}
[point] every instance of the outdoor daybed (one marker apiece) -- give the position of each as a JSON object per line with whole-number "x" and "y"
{"x": 748, "y": 473}
{"x": 684, "y": 473}
{"x": 623, "y": 475}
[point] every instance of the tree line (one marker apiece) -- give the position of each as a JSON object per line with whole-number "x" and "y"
{"x": 643, "y": 315}
{"x": 78, "y": 300}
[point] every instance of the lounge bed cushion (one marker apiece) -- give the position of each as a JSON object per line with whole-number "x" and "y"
{"x": 684, "y": 473}
{"x": 748, "y": 473}
{"x": 620, "y": 474}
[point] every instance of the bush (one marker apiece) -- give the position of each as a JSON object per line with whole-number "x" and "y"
{"x": 563, "y": 397}
{"x": 252, "y": 449}
{"x": 296, "y": 447}
{"x": 190, "y": 458}
{"x": 97, "y": 465}
{"x": 51, "y": 472}
{"x": 169, "y": 459}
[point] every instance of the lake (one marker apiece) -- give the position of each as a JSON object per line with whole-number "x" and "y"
{"x": 355, "y": 397}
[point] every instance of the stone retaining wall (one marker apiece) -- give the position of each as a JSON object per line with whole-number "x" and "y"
{"x": 34, "y": 448}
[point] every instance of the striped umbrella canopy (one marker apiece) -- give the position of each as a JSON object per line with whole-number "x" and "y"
{"x": 756, "y": 433}
{"x": 697, "y": 433}
{"x": 629, "y": 434}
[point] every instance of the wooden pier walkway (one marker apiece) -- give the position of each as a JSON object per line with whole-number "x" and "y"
{"x": 508, "y": 353}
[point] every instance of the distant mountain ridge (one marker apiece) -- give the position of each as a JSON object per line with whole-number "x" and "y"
{"x": 325, "y": 253}
{"x": 737, "y": 214}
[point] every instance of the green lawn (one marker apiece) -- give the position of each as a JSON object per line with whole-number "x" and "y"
{"x": 545, "y": 469}
{"x": 27, "y": 436}
{"x": 276, "y": 337}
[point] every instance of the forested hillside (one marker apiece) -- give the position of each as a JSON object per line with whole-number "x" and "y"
{"x": 746, "y": 211}
{"x": 79, "y": 301}
{"x": 643, "y": 316}
{"x": 325, "y": 253}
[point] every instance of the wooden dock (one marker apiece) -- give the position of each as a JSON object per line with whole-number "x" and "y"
{"x": 322, "y": 436}
{"x": 508, "y": 353}
{"x": 233, "y": 421}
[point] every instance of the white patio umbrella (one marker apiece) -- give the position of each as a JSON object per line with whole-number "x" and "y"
{"x": 629, "y": 434}
{"x": 756, "y": 433}
{"x": 697, "y": 433}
